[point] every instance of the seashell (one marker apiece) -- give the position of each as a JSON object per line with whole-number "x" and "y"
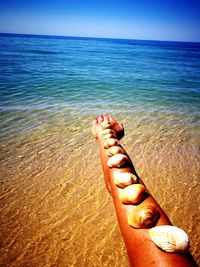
{"x": 170, "y": 238}
{"x": 143, "y": 216}
{"x": 108, "y": 131}
{"x": 110, "y": 142}
{"x": 123, "y": 179}
{"x": 132, "y": 194}
{"x": 115, "y": 150}
{"x": 118, "y": 160}
{"x": 109, "y": 135}
{"x": 106, "y": 125}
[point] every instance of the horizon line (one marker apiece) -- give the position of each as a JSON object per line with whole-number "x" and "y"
{"x": 95, "y": 37}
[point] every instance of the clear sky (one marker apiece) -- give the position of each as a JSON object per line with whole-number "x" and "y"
{"x": 177, "y": 20}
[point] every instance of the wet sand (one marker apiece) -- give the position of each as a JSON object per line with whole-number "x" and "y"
{"x": 55, "y": 210}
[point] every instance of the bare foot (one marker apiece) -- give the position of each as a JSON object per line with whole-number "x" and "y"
{"x": 97, "y": 129}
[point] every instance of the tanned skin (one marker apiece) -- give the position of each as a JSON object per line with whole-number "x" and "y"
{"x": 141, "y": 250}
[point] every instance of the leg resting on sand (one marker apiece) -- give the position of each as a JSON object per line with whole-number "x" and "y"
{"x": 137, "y": 211}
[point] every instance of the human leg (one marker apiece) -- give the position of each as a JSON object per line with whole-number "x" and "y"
{"x": 141, "y": 250}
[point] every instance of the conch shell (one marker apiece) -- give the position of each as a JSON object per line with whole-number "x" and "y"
{"x": 123, "y": 179}
{"x": 143, "y": 216}
{"x": 106, "y": 125}
{"x": 115, "y": 150}
{"x": 110, "y": 142}
{"x": 132, "y": 194}
{"x": 118, "y": 160}
{"x": 170, "y": 238}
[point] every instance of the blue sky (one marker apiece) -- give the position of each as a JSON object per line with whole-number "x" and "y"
{"x": 177, "y": 20}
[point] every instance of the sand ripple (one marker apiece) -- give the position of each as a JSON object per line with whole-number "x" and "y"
{"x": 54, "y": 208}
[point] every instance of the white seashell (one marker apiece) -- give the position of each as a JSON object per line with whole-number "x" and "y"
{"x": 118, "y": 160}
{"x": 123, "y": 179}
{"x": 115, "y": 150}
{"x": 110, "y": 142}
{"x": 170, "y": 238}
{"x": 132, "y": 194}
{"x": 106, "y": 125}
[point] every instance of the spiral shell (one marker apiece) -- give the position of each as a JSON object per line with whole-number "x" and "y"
{"x": 118, "y": 160}
{"x": 143, "y": 216}
{"x": 115, "y": 150}
{"x": 110, "y": 142}
{"x": 106, "y": 125}
{"x": 132, "y": 194}
{"x": 123, "y": 179}
{"x": 170, "y": 238}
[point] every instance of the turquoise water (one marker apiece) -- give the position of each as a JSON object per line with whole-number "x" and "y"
{"x": 67, "y": 72}
{"x": 50, "y": 90}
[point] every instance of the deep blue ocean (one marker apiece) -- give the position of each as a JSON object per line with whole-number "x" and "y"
{"x": 53, "y": 200}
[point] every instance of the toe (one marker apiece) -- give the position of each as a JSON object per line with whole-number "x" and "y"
{"x": 106, "y": 118}
{"x": 112, "y": 120}
{"x": 94, "y": 123}
{"x": 122, "y": 125}
{"x": 100, "y": 119}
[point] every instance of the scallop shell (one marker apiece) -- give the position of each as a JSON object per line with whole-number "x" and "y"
{"x": 132, "y": 194}
{"x": 170, "y": 238}
{"x": 123, "y": 179}
{"x": 110, "y": 142}
{"x": 143, "y": 216}
{"x": 115, "y": 150}
{"x": 106, "y": 125}
{"x": 118, "y": 160}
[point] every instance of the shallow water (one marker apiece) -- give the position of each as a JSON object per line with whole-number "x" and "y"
{"x": 54, "y": 207}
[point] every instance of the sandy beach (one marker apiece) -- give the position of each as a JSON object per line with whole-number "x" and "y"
{"x": 55, "y": 210}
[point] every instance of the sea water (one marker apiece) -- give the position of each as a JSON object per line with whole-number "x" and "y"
{"x": 54, "y": 207}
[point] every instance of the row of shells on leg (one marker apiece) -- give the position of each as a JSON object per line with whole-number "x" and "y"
{"x": 170, "y": 238}
{"x": 166, "y": 237}
{"x": 144, "y": 216}
{"x": 115, "y": 151}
